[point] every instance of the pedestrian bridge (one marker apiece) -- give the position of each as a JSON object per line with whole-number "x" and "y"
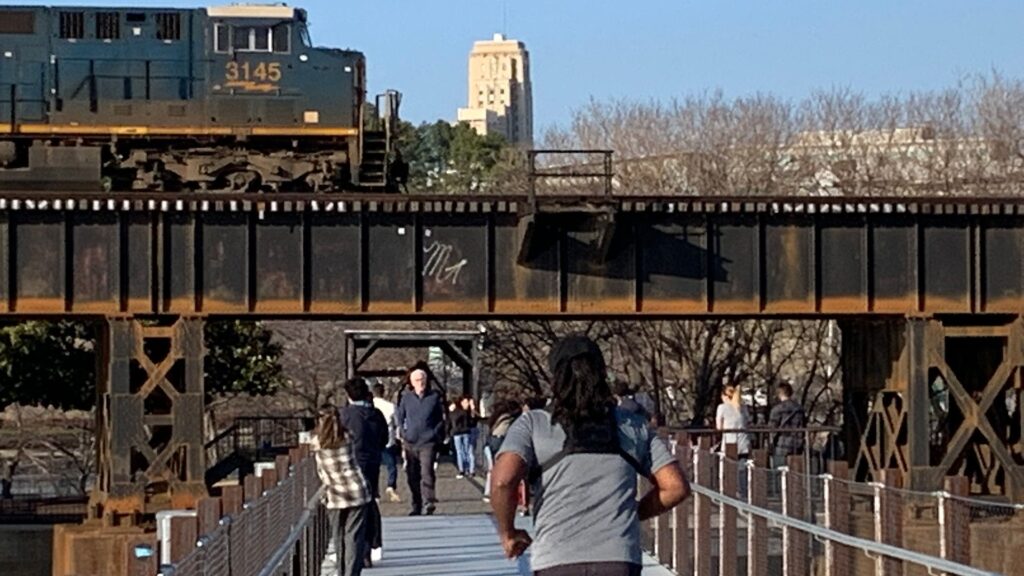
{"x": 747, "y": 519}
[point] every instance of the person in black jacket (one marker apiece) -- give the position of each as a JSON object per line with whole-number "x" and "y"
{"x": 368, "y": 432}
{"x": 463, "y": 420}
{"x": 788, "y": 413}
{"x": 421, "y": 421}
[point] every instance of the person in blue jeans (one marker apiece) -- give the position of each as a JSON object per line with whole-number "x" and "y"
{"x": 463, "y": 421}
{"x": 392, "y": 454}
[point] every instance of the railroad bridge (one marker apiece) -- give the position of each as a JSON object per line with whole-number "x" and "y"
{"x": 928, "y": 293}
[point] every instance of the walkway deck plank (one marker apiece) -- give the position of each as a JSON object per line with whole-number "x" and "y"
{"x": 449, "y": 546}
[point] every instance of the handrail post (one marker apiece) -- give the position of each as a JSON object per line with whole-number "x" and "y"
{"x": 702, "y": 510}
{"x": 837, "y": 517}
{"x": 757, "y": 526}
{"x": 794, "y": 543}
{"x": 682, "y": 513}
{"x": 888, "y": 521}
{"x": 663, "y": 528}
{"x": 727, "y": 514}
{"x": 954, "y": 521}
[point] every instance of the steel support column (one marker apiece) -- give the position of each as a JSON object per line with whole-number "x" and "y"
{"x": 936, "y": 397}
{"x": 150, "y": 417}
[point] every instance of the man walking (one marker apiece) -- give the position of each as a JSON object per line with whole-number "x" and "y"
{"x": 788, "y": 413}
{"x": 420, "y": 417}
{"x": 626, "y": 397}
{"x": 391, "y": 453}
{"x": 368, "y": 432}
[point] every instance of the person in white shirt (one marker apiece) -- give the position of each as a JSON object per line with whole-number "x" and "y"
{"x": 392, "y": 452}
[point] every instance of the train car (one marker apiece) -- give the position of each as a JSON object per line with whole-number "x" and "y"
{"x": 221, "y": 98}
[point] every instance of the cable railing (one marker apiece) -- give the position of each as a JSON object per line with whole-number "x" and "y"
{"x": 272, "y": 524}
{"x": 748, "y": 517}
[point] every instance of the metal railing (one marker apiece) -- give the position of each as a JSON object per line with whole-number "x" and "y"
{"x": 732, "y": 527}
{"x": 882, "y": 552}
{"x": 255, "y": 435}
{"x": 273, "y": 524}
{"x": 570, "y": 166}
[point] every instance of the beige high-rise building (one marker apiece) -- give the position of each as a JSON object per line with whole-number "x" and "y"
{"x": 500, "y": 93}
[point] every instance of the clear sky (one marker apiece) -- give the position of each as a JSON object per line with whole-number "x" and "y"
{"x": 645, "y": 49}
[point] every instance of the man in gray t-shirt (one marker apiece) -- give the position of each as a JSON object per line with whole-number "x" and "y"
{"x": 585, "y": 505}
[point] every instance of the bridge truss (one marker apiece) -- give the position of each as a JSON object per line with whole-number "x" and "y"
{"x": 928, "y": 293}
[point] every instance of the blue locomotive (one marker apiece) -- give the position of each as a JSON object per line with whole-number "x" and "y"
{"x": 222, "y": 98}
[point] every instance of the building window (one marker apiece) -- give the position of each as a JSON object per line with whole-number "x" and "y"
{"x": 168, "y": 26}
{"x": 108, "y": 25}
{"x": 17, "y": 22}
{"x": 72, "y": 25}
{"x": 221, "y": 38}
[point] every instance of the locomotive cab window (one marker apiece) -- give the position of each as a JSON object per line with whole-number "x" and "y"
{"x": 221, "y": 38}
{"x": 275, "y": 39}
{"x": 282, "y": 38}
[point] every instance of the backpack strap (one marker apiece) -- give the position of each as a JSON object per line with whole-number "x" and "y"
{"x": 536, "y": 472}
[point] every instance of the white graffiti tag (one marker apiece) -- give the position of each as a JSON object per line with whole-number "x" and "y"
{"x": 439, "y": 264}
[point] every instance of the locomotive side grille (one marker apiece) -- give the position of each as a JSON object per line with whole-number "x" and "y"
{"x": 108, "y": 25}
{"x": 72, "y": 25}
{"x": 17, "y": 22}
{"x": 168, "y": 26}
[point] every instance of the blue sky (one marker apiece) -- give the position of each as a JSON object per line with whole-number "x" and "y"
{"x": 645, "y": 49}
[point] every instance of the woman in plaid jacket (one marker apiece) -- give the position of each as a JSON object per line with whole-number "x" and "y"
{"x": 346, "y": 492}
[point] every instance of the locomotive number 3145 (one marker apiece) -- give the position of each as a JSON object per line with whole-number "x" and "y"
{"x": 247, "y": 72}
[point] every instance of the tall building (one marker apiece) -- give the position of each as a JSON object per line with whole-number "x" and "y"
{"x": 500, "y": 93}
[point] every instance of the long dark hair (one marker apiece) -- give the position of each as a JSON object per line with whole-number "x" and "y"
{"x": 329, "y": 431}
{"x": 502, "y": 408}
{"x": 581, "y": 396}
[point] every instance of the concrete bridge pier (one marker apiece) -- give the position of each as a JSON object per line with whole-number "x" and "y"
{"x": 935, "y": 397}
{"x": 149, "y": 445}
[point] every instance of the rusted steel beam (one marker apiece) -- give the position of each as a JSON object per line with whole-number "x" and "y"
{"x": 343, "y": 257}
{"x": 148, "y": 463}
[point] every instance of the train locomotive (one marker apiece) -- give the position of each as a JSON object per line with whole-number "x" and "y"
{"x": 232, "y": 98}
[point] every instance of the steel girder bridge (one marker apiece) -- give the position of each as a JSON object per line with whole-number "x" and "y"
{"x": 928, "y": 293}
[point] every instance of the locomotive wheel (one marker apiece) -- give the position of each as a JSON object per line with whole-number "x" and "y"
{"x": 244, "y": 181}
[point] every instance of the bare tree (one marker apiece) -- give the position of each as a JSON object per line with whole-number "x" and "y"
{"x": 962, "y": 140}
